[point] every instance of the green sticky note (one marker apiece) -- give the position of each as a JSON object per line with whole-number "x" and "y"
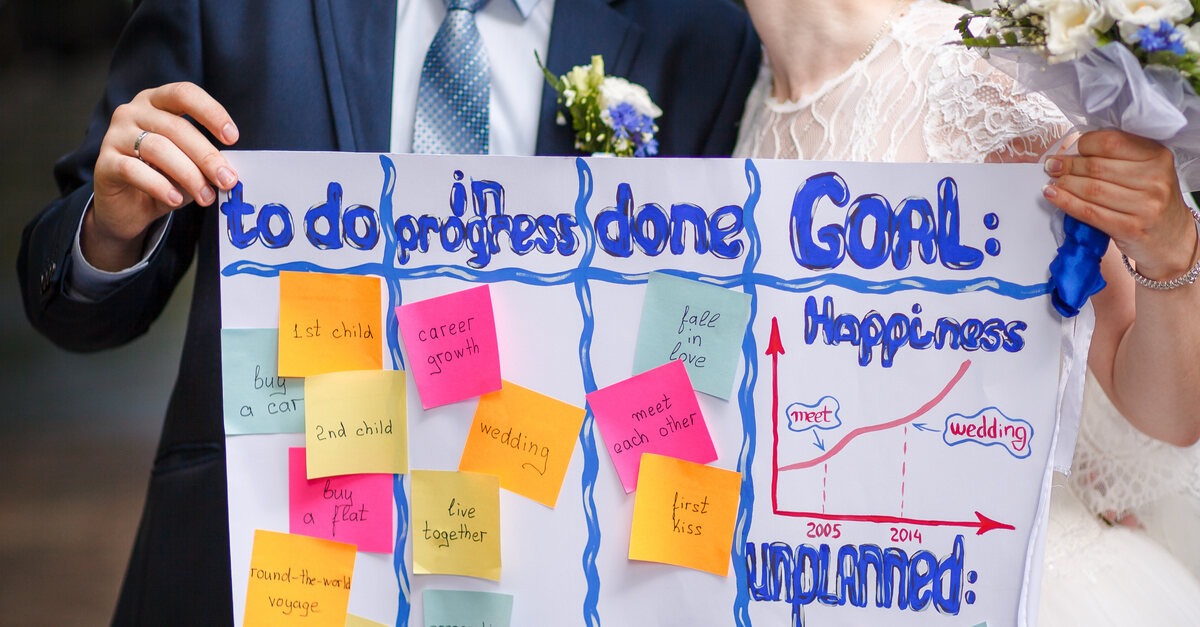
{"x": 696, "y": 323}
{"x": 256, "y": 398}
{"x": 465, "y": 607}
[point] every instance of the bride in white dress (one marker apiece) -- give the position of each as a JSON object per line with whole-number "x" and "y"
{"x": 872, "y": 80}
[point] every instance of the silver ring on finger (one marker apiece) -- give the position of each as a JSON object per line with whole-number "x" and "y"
{"x": 137, "y": 145}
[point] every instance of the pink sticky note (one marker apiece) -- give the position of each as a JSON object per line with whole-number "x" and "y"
{"x": 355, "y": 509}
{"x": 451, "y": 345}
{"x": 653, "y": 412}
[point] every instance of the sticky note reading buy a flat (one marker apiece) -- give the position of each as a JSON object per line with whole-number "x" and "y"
{"x": 356, "y": 509}
{"x": 525, "y": 438}
{"x": 466, "y": 607}
{"x": 684, "y": 514}
{"x": 356, "y": 422}
{"x": 698, "y": 324}
{"x": 256, "y": 398}
{"x": 451, "y": 345}
{"x": 298, "y": 580}
{"x": 456, "y": 523}
{"x": 653, "y": 412}
{"x": 328, "y": 323}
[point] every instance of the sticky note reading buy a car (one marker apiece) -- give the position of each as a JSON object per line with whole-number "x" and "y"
{"x": 298, "y": 580}
{"x": 256, "y": 398}
{"x": 451, "y": 345}
{"x": 328, "y": 323}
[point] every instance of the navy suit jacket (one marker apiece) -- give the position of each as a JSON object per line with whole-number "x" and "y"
{"x": 312, "y": 75}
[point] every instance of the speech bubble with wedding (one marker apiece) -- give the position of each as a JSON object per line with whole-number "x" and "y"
{"x": 651, "y": 391}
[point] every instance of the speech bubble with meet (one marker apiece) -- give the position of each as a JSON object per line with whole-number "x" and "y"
{"x": 822, "y": 414}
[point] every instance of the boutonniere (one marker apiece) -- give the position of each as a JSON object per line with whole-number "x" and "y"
{"x": 610, "y": 115}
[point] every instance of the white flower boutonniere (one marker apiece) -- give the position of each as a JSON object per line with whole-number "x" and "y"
{"x": 610, "y": 115}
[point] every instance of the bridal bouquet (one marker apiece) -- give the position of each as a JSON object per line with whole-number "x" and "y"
{"x": 610, "y": 115}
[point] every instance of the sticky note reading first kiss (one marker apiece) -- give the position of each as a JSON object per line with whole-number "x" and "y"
{"x": 451, "y": 345}
{"x": 328, "y": 323}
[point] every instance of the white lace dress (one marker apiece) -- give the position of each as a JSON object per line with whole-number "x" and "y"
{"x": 914, "y": 99}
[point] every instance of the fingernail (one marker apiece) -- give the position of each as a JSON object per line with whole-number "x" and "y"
{"x": 1049, "y": 191}
{"x": 229, "y": 133}
{"x": 207, "y": 195}
{"x": 226, "y": 177}
{"x": 174, "y": 198}
{"x": 1053, "y": 166}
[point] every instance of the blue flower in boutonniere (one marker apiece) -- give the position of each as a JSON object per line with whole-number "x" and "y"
{"x": 610, "y": 115}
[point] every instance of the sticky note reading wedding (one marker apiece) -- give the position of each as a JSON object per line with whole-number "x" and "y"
{"x": 653, "y": 412}
{"x": 466, "y": 607}
{"x": 356, "y": 422}
{"x": 684, "y": 514}
{"x": 456, "y": 523}
{"x": 695, "y": 323}
{"x": 328, "y": 323}
{"x": 356, "y": 509}
{"x": 298, "y": 580}
{"x": 451, "y": 346}
{"x": 256, "y": 399}
{"x": 525, "y": 438}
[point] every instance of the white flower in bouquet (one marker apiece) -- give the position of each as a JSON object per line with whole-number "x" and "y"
{"x": 1072, "y": 27}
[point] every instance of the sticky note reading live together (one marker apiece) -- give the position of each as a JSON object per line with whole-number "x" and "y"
{"x": 451, "y": 346}
{"x": 298, "y": 580}
{"x": 466, "y": 607}
{"x": 356, "y": 509}
{"x": 256, "y": 398}
{"x": 653, "y": 412}
{"x": 696, "y": 323}
{"x": 684, "y": 514}
{"x": 356, "y": 422}
{"x": 524, "y": 438}
{"x": 456, "y": 524}
{"x": 328, "y": 323}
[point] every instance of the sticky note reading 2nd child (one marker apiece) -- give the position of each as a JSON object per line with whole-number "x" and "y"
{"x": 328, "y": 323}
{"x": 451, "y": 346}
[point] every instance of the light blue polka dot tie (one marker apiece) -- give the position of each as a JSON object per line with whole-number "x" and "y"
{"x": 452, "y": 102}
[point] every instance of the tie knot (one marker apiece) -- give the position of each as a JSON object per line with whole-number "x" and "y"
{"x": 465, "y": 5}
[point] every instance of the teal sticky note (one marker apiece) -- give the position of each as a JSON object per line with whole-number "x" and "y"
{"x": 256, "y": 399}
{"x": 466, "y": 607}
{"x": 699, "y": 324}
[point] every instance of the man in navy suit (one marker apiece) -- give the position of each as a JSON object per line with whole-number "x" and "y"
{"x": 138, "y": 197}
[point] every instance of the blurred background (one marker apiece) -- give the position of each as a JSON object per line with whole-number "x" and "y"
{"x": 77, "y": 432}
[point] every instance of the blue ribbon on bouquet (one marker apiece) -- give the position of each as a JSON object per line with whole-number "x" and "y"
{"x": 1075, "y": 271}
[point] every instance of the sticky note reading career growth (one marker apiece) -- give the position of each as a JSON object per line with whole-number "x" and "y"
{"x": 684, "y": 514}
{"x": 356, "y": 422}
{"x": 256, "y": 398}
{"x": 348, "y": 508}
{"x": 328, "y": 323}
{"x": 451, "y": 345}
{"x": 466, "y": 607}
{"x": 298, "y": 580}
{"x": 653, "y": 412}
{"x": 525, "y": 438}
{"x": 698, "y": 324}
{"x": 456, "y": 523}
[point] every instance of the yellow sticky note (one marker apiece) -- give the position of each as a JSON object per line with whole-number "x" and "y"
{"x": 359, "y": 621}
{"x": 684, "y": 514}
{"x": 525, "y": 438}
{"x": 328, "y": 323}
{"x": 456, "y": 523}
{"x": 298, "y": 580}
{"x": 356, "y": 422}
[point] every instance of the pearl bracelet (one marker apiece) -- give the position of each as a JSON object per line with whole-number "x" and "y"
{"x": 1187, "y": 278}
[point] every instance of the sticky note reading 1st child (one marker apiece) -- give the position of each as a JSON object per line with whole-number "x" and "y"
{"x": 451, "y": 345}
{"x": 298, "y": 580}
{"x": 328, "y": 323}
{"x": 456, "y": 523}
{"x": 356, "y": 509}
{"x": 653, "y": 412}
{"x": 356, "y": 422}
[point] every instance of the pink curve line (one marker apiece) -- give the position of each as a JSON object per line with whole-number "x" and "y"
{"x": 962, "y": 370}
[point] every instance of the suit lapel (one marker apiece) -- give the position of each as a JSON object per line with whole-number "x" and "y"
{"x": 357, "y": 42}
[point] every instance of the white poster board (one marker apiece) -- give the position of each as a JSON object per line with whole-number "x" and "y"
{"x": 898, "y": 479}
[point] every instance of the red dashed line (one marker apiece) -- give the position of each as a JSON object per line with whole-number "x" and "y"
{"x": 903, "y": 469}
{"x": 824, "y": 484}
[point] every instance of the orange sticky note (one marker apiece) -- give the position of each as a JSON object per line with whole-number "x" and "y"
{"x": 328, "y": 323}
{"x": 298, "y": 580}
{"x": 525, "y": 438}
{"x": 684, "y": 514}
{"x": 356, "y": 423}
{"x": 456, "y": 523}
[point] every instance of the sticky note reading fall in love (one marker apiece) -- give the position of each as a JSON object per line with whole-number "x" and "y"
{"x": 466, "y": 607}
{"x": 356, "y": 422}
{"x": 328, "y": 323}
{"x": 298, "y": 580}
{"x": 524, "y": 438}
{"x": 698, "y": 324}
{"x": 451, "y": 345}
{"x": 653, "y": 412}
{"x": 256, "y": 398}
{"x": 356, "y": 509}
{"x": 456, "y": 523}
{"x": 684, "y": 514}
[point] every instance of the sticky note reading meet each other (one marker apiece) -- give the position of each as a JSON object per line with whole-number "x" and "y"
{"x": 456, "y": 523}
{"x": 356, "y": 509}
{"x": 256, "y": 398}
{"x": 298, "y": 580}
{"x": 451, "y": 345}
{"x": 524, "y": 438}
{"x": 328, "y": 323}
{"x": 356, "y": 422}
{"x": 695, "y": 323}
{"x": 684, "y": 514}
{"x": 466, "y": 607}
{"x": 653, "y": 412}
